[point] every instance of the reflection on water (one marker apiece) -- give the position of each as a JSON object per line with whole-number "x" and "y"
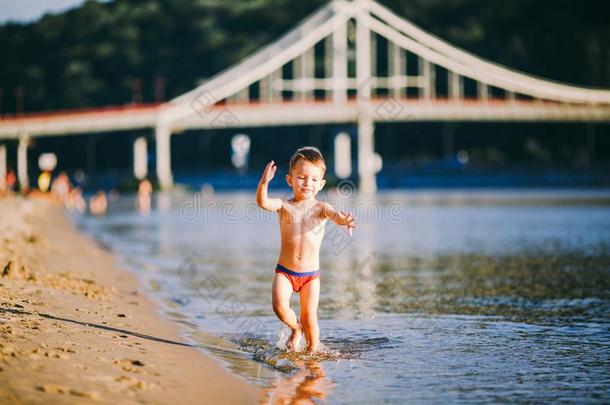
{"x": 305, "y": 386}
{"x": 472, "y": 296}
{"x": 303, "y": 380}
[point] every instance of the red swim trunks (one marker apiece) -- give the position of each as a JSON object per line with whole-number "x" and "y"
{"x": 298, "y": 280}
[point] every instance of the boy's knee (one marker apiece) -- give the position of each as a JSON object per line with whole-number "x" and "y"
{"x": 280, "y": 308}
{"x": 309, "y": 321}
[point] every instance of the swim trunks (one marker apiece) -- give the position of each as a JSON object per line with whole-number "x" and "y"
{"x": 298, "y": 280}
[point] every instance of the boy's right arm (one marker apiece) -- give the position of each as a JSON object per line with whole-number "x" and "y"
{"x": 262, "y": 199}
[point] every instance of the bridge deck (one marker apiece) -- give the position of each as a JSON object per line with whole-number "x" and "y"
{"x": 255, "y": 114}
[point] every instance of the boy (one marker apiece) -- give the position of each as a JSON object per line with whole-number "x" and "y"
{"x": 302, "y": 219}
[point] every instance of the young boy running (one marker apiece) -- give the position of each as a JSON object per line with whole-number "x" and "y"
{"x": 302, "y": 220}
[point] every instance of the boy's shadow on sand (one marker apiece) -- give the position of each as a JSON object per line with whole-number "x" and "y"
{"x": 124, "y": 332}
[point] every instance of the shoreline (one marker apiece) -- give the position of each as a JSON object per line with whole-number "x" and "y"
{"x": 75, "y": 327}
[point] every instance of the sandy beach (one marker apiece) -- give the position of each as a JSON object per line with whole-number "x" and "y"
{"x": 75, "y": 327}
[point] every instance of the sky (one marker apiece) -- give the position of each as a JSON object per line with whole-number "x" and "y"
{"x": 30, "y": 10}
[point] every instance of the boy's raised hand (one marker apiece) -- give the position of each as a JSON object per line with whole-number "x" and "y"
{"x": 269, "y": 172}
{"x": 348, "y": 220}
{"x": 262, "y": 199}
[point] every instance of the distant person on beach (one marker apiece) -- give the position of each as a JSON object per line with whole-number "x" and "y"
{"x": 98, "y": 204}
{"x": 10, "y": 179}
{"x": 61, "y": 187}
{"x": 75, "y": 201}
{"x": 302, "y": 220}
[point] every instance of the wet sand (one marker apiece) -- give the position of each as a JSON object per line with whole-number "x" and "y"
{"x": 74, "y": 327}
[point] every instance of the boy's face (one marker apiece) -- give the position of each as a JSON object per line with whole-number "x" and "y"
{"x": 306, "y": 179}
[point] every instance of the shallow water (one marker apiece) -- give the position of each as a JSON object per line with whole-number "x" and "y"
{"x": 462, "y": 296}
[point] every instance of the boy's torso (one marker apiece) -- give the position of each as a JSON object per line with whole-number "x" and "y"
{"x": 302, "y": 230}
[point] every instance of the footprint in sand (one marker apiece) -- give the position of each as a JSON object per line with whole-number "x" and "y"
{"x": 85, "y": 394}
{"x": 53, "y": 354}
{"x": 133, "y": 366}
{"x": 134, "y": 383}
{"x": 8, "y": 350}
{"x": 34, "y": 325}
{"x": 65, "y": 349}
{"x": 52, "y": 388}
{"x": 14, "y": 270}
{"x": 60, "y": 389}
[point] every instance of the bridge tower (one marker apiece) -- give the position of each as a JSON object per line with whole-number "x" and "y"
{"x": 361, "y": 94}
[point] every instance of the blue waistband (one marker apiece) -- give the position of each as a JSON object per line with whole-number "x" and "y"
{"x": 296, "y": 273}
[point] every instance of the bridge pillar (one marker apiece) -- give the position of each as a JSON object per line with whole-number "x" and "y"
{"x": 22, "y": 162}
{"x": 483, "y": 90}
{"x": 164, "y": 169}
{"x": 396, "y": 69}
{"x": 140, "y": 158}
{"x": 366, "y": 154}
{"x": 366, "y": 126}
{"x": 339, "y": 63}
{"x": 308, "y": 72}
{"x": 343, "y": 156}
{"x": 276, "y": 82}
{"x": 456, "y": 86}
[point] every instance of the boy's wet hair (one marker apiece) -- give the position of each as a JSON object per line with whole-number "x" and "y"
{"x": 310, "y": 153}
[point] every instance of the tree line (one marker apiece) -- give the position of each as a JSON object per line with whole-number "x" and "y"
{"x": 126, "y": 51}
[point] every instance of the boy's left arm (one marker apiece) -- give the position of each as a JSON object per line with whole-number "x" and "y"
{"x": 339, "y": 217}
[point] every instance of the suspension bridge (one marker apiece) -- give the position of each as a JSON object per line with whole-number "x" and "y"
{"x": 326, "y": 70}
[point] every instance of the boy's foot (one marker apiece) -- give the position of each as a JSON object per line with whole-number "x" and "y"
{"x": 312, "y": 349}
{"x": 295, "y": 337}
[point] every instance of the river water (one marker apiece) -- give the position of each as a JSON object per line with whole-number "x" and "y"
{"x": 461, "y": 296}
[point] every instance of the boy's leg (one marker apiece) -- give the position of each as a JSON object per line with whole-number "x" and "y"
{"x": 281, "y": 292}
{"x": 310, "y": 296}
